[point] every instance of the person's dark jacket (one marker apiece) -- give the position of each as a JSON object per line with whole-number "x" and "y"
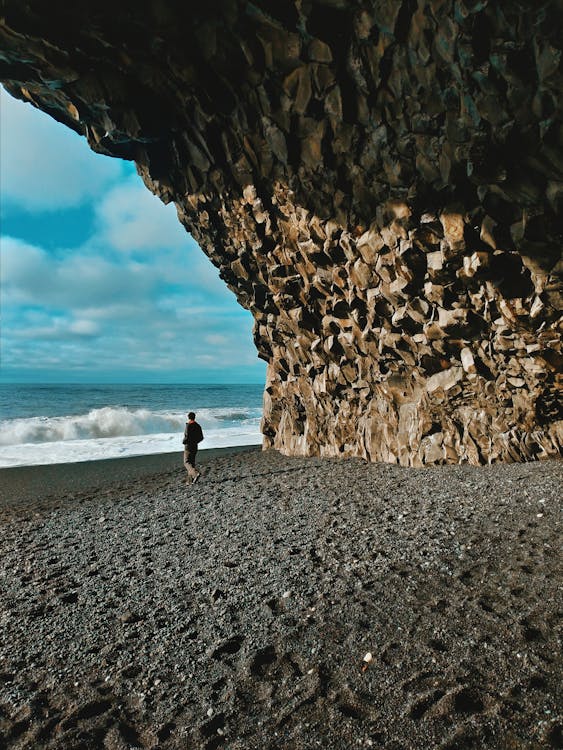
{"x": 193, "y": 435}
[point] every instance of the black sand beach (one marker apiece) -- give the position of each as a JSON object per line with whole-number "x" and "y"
{"x": 46, "y": 483}
{"x": 280, "y": 603}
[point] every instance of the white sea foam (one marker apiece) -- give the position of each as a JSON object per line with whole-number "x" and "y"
{"x": 112, "y": 432}
{"x": 99, "y": 423}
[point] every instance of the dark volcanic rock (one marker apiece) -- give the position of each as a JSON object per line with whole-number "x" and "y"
{"x": 380, "y": 183}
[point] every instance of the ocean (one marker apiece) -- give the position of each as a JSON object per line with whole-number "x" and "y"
{"x": 65, "y": 423}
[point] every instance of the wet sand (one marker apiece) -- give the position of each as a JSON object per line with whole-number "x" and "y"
{"x": 280, "y": 603}
{"x": 22, "y": 484}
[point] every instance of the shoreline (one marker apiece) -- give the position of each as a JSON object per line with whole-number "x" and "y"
{"x": 20, "y": 484}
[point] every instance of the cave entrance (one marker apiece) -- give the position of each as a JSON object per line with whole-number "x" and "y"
{"x": 102, "y": 288}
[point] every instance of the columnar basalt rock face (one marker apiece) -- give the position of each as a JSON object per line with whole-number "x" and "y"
{"x": 380, "y": 183}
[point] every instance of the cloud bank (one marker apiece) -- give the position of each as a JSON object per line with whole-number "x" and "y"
{"x": 134, "y": 299}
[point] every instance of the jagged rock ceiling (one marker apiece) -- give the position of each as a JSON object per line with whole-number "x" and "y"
{"x": 379, "y": 182}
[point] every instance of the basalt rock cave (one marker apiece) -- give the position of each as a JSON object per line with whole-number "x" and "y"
{"x": 380, "y": 182}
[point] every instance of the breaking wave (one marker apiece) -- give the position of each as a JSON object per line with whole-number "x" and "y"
{"x": 111, "y": 421}
{"x": 98, "y": 423}
{"x": 115, "y": 431}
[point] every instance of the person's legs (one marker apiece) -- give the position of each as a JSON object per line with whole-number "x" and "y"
{"x": 189, "y": 462}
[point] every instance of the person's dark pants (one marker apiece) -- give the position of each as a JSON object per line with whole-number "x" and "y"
{"x": 189, "y": 460}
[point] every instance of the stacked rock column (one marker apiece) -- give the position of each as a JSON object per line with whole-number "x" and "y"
{"x": 417, "y": 341}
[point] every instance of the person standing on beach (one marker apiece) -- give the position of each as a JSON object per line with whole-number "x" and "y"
{"x": 193, "y": 435}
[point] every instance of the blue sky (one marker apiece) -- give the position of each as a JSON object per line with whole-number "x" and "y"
{"x": 99, "y": 281}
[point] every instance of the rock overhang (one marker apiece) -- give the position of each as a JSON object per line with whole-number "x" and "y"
{"x": 379, "y": 183}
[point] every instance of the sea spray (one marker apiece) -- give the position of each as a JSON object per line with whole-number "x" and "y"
{"x": 74, "y": 424}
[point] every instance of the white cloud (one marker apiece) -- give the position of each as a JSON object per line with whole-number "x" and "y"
{"x": 132, "y": 222}
{"x": 71, "y": 297}
{"x": 45, "y": 166}
{"x": 55, "y": 328}
{"x": 131, "y": 218}
{"x": 84, "y": 327}
{"x": 22, "y": 263}
{"x": 216, "y": 339}
{"x": 30, "y": 275}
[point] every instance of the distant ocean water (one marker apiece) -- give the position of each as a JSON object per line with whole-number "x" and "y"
{"x": 62, "y": 423}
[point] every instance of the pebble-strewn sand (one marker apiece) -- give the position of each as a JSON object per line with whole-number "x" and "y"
{"x": 236, "y": 613}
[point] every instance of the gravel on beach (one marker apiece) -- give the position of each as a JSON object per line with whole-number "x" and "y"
{"x": 283, "y": 603}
